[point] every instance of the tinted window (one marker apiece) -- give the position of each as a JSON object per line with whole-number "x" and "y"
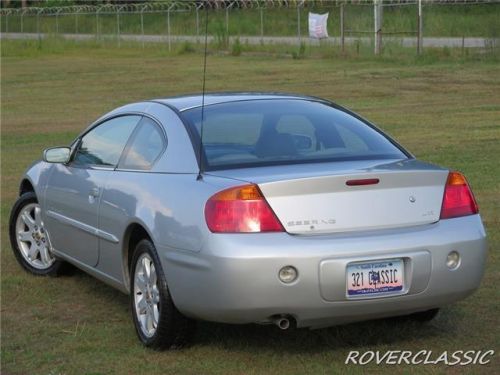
{"x": 145, "y": 147}
{"x": 104, "y": 144}
{"x": 267, "y": 132}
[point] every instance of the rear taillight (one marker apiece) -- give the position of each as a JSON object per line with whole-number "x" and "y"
{"x": 458, "y": 199}
{"x": 241, "y": 209}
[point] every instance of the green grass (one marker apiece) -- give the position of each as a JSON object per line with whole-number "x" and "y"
{"x": 439, "y": 20}
{"x": 444, "y": 107}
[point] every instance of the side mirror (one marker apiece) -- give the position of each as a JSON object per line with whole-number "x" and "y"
{"x": 57, "y": 155}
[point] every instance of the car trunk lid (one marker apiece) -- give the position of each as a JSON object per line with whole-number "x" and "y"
{"x": 322, "y": 198}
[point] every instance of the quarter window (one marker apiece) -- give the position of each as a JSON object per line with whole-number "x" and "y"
{"x": 104, "y": 144}
{"x": 145, "y": 146}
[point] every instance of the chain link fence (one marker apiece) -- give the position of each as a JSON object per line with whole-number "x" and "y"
{"x": 455, "y": 23}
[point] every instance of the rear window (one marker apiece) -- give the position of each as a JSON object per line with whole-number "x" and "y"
{"x": 272, "y": 132}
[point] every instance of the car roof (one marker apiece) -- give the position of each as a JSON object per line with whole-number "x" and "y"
{"x": 185, "y": 102}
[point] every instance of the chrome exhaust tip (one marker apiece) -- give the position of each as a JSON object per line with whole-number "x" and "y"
{"x": 282, "y": 322}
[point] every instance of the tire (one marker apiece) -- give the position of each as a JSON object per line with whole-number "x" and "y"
{"x": 423, "y": 316}
{"x": 158, "y": 323}
{"x": 30, "y": 240}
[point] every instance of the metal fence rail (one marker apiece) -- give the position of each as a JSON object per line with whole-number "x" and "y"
{"x": 108, "y": 20}
{"x": 109, "y": 8}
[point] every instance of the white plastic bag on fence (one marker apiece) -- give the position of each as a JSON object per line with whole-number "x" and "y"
{"x": 317, "y": 25}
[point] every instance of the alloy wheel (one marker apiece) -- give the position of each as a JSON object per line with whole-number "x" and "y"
{"x": 32, "y": 237}
{"x": 146, "y": 295}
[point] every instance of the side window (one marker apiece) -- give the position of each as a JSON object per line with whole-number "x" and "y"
{"x": 145, "y": 147}
{"x": 104, "y": 144}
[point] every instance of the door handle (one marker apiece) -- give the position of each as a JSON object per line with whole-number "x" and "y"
{"x": 94, "y": 192}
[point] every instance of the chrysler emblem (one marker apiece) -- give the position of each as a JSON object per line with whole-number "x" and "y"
{"x": 412, "y": 199}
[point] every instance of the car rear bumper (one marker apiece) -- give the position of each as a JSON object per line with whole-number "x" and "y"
{"x": 234, "y": 278}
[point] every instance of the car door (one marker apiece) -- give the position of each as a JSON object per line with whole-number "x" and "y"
{"x": 74, "y": 190}
{"x": 124, "y": 195}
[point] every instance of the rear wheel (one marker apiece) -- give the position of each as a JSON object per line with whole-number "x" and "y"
{"x": 29, "y": 238}
{"x": 157, "y": 321}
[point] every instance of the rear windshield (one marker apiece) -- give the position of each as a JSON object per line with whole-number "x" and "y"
{"x": 272, "y": 132}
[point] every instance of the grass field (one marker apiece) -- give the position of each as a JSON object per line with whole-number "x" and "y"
{"x": 445, "y": 110}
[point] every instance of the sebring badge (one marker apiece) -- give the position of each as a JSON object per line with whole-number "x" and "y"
{"x": 311, "y": 223}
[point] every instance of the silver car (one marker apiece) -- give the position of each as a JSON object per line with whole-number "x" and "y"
{"x": 252, "y": 208}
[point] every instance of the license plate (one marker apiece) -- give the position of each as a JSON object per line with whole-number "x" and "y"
{"x": 380, "y": 277}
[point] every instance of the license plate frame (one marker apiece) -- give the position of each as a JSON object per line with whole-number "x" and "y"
{"x": 369, "y": 276}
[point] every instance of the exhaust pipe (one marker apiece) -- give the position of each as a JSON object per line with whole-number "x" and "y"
{"x": 283, "y": 322}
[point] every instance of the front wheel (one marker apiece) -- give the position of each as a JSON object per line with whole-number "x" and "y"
{"x": 29, "y": 238}
{"x": 157, "y": 321}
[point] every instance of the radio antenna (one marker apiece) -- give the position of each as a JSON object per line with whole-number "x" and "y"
{"x": 200, "y": 151}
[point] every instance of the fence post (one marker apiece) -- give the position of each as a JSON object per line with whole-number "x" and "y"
{"x": 420, "y": 37}
{"x": 6, "y": 23}
{"x": 76, "y": 23}
{"x": 197, "y": 22}
{"x": 118, "y": 27}
{"x": 38, "y": 24}
{"x": 22, "y": 23}
{"x": 142, "y": 26}
{"x": 57, "y": 23}
{"x": 342, "y": 28}
{"x": 261, "y": 25}
{"x": 168, "y": 31}
{"x": 97, "y": 25}
{"x": 227, "y": 22}
{"x": 298, "y": 24}
{"x": 377, "y": 12}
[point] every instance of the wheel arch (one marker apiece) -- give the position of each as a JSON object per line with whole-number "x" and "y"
{"x": 26, "y": 186}
{"x": 134, "y": 233}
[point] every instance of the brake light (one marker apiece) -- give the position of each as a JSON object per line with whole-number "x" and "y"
{"x": 458, "y": 199}
{"x": 241, "y": 209}
{"x": 364, "y": 181}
